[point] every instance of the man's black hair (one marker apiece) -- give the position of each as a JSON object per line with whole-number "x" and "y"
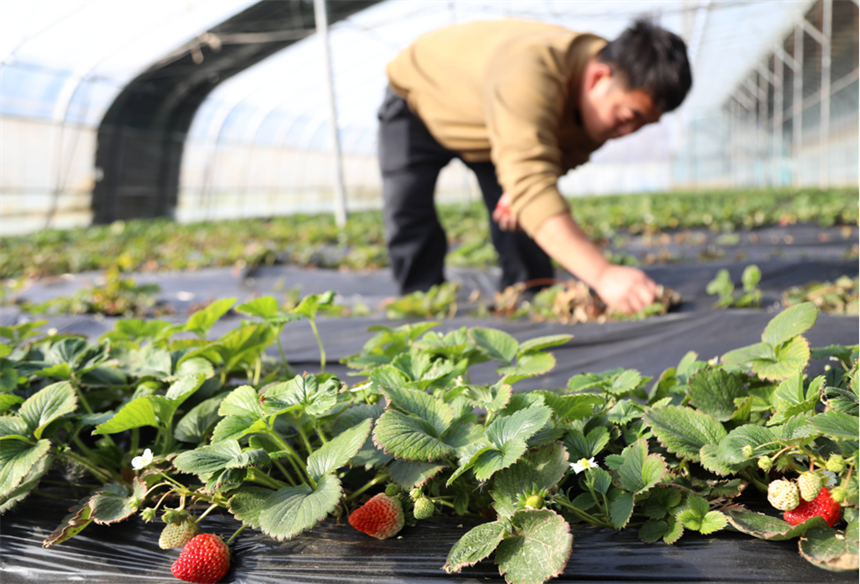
{"x": 652, "y": 59}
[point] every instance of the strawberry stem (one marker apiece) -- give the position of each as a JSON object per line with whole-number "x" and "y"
{"x": 238, "y": 531}
{"x": 375, "y": 481}
{"x": 207, "y": 512}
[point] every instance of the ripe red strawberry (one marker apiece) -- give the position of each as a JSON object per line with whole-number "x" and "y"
{"x": 204, "y": 560}
{"x": 823, "y": 506}
{"x": 381, "y": 517}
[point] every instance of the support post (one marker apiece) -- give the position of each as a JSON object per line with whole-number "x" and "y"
{"x": 778, "y": 105}
{"x": 797, "y": 105}
{"x": 824, "y": 146}
{"x": 340, "y": 193}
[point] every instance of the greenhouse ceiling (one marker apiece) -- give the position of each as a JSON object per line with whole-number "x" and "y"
{"x": 66, "y": 61}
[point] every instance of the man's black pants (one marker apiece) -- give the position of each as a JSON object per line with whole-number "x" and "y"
{"x": 410, "y": 160}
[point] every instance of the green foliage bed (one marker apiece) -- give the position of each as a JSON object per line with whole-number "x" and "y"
{"x": 229, "y": 426}
{"x": 150, "y": 245}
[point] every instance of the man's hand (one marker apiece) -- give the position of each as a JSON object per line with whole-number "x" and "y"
{"x": 626, "y": 289}
{"x": 503, "y": 215}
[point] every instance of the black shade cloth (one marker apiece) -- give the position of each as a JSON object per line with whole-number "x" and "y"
{"x": 128, "y": 552}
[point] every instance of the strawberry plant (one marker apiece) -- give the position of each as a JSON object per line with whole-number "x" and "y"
{"x": 838, "y": 297}
{"x": 169, "y": 421}
{"x": 723, "y": 287}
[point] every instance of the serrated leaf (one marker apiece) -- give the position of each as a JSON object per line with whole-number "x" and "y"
{"x": 292, "y": 510}
{"x": 749, "y": 353}
{"x": 529, "y": 365}
{"x": 620, "y": 508}
{"x": 114, "y": 503}
{"x": 829, "y": 549}
{"x": 247, "y": 504}
{"x": 694, "y": 514}
{"x": 249, "y": 458}
{"x": 196, "y": 423}
{"x": 625, "y": 382}
{"x": 602, "y": 480}
{"x": 541, "y": 343}
{"x": 409, "y": 438}
{"x": 17, "y": 460}
{"x": 713, "y": 521}
{"x": 709, "y": 458}
{"x": 791, "y": 357}
{"x": 580, "y": 446}
{"x": 538, "y": 551}
{"x": 412, "y": 474}
{"x": 8, "y": 375}
{"x": 652, "y": 530}
{"x": 624, "y": 412}
{"x": 305, "y": 391}
{"x": 26, "y": 486}
{"x": 195, "y": 366}
{"x": 836, "y": 425}
{"x": 522, "y": 425}
{"x": 713, "y": 391}
{"x": 339, "y": 450}
{"x": 478, "y": 543}
{"x": 490, "y": 460}
{"x": 72, "y": 524}
{"x": 790, "y": 323}
{"x": 201, "y": 321}
{"x": 545, "y": 467}
{"x": 640, "y": 471}
{"x": 758, "y": 437}
{"x": 684, "y": 431}
{"x": 264, "y": 307}
{"x": 495, "y": 344}
{"x": 766, "y": 527}
{"x": 660, "y": 502}
{"x": 676, "y": 530}
{"x": 208, "y": 459}
{"x": 490, "y": 397}
{"x": 143, "y": 411}
{"x": 310, "y": 304}
{"x": 243, "y": 401}
{"x": 47, "y": 405}
{"x": 14, "y": 426}
{"x": 434, "y": 411}
{"x": 571, "y": 407}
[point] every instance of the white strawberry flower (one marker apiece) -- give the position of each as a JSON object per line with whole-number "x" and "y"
{"x": 139, "y": 462}
{"x": 583, "y": 464}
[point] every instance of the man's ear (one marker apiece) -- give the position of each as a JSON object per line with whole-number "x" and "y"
{"x": 596, "y": 72}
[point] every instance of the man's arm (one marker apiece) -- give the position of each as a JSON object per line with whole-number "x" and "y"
{"x": 625, "y": 289}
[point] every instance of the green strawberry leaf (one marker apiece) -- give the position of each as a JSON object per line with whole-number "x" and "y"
{"x": 713, "y": 391}
{"x": 830, "y": 549}
{"x": 247, "y": 504}
{"x": 766, "y": 527}
{"x": 115, "y": 502}
{"x": 339, "y": 450}
{"x": 522, "y": 424}
{"x": 47, "y": 405}
{"x": 541, "y": 343}
{"x": 626, "y": 382}
{"x": 653, "y": 530}
{"x": 639, "y": 470}
{"x": 143, "y": 411}
{"x": 194, "y": 425}
{"x": 8, "y": 376}
{"x": 676, "y": 530}
{"x": 495, "y": 344}
{"x": 749, "y": 353}
{"x": 412, "y": 474}
{"x": 491, "y": 459}
{"x": 478, "y": 543}
{"x": 201, "y": 321}
{"x": 790, "y": 323}
{"x": 761, "y": 439}
{"x": 835, "y": 425}
{"x": 529, "y": 365}
{"x": 292, "y": 510}
{"x": 208, "y": 459}
{"x": 683, "y": 431}
{"x": 434, "y": 411}
{"x": 305, "y": 391}
{"x": 661, "y": 502}
{"x": 310, "y": 304}
{"x": 490, "y": 397}
{"x": 620, "y": 508}
{"x": 17, "y": 460}
{"x": 538, "y": 550}
{"x": 264, "y": 307}
{"x": 72, "y": 524}
{"x": 242, "y": 401}
{"x": 580, "y": 446}
{"x": 9, "y": 401}
{"x": 249, "y": 458}
{"x": 235, "y": 427}
{"x": 791, "y": 357}
{"x": 544, "y": 467}
{"x": 29, "y": 482}
{"x": 369, "y": 455}
{"x": 409, "y": 438}
{"x": 14, "y": 427}
{"x": 571, "y": 407}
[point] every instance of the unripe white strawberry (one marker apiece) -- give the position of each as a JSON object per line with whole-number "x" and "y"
{"x": 176, "y": 535}
{"x": 783, "y": 495}
{"x": 765, "y": 463}
{"x": 424, "y": 508}
{"x": 809, "y": 484}
{"x": 836, "y": 463}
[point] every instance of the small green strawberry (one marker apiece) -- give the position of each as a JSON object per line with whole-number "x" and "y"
{"x": 392, "y": 490}
{"x": 424, "y": 508}
{"x": 809, "y": 484}
{"x": 838, "y": 494}
{"x": 836, "y": 463}
{"x": 765, "y": 463}
{"x": 783, "y": 495}
{"x": 148, "y": 514}
{"x": 534, "y": 502}
{"x": 747, "y": 451}
{"x": 176, "y": 535}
